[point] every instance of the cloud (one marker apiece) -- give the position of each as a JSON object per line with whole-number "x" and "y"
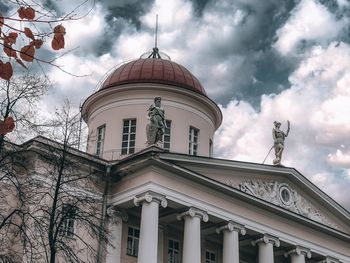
{"x": 309, "y": 21}
{"x": 317, "y": 103}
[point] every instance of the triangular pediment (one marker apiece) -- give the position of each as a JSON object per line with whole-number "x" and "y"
{"x": 286, "y": 196}
{"x": 280, "y": 186}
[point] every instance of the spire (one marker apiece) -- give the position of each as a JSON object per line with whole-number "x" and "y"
{"x": 155, "y": 51}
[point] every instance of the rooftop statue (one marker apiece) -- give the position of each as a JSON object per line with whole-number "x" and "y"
{"x": 279, "y": 137}
{"x": 155, "y": 129}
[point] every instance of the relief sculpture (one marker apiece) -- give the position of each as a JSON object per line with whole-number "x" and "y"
{"x": 282, "y": 195}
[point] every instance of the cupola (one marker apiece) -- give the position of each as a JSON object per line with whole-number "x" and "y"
{"x": 116, "y": 114}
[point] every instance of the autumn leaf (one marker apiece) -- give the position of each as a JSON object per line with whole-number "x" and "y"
{"x": 2, "y": 20}
{"x": 6, "y": 70}
{"x": 37, "y": 43}
{"x": 28, "y": 33}
{"x": 21, "y": 63}
{"x": 11, "y": 38}
{"x": 6, "y": 126}
{"x": 8, "y": 50}
{"x": 59, "y": 29}
{"x": 26, "y": 13}
{"x": 10, "y": 124}
{"x": 27, "y": 53}
{"x": 57, "y": 42}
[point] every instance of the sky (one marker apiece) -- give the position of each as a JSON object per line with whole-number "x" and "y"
{"x": 261, "y": 61}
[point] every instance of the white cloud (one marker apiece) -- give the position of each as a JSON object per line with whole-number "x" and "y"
{"x": 318, "y": 106}
{"x": 310, "y": 21}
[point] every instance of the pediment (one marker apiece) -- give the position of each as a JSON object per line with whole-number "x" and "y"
{"x": 286, "y": 196}
{"x": 281, "y": 186}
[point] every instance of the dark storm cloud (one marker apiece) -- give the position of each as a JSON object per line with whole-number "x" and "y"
{"x": 117, "y": 13}
{"x": 199, "y": 6}
{"x": 263, "y": 71}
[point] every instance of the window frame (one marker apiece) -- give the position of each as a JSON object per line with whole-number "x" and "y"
{"x": 134, "y": 247}
{"x": 128, "y": 149}
{"x": 167, "y": 132}
{"x": 100, "y": 142}
{"x": 209, "y": 260}
{"x": 173, "y": 249}
{"x": 193, "y": 141}
{"x": 68, "y": 224}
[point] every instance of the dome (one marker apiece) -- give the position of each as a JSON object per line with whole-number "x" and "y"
{"x": 153, "y": 70}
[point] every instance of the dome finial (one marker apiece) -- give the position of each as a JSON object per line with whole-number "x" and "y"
{"x": 155, "y": 52}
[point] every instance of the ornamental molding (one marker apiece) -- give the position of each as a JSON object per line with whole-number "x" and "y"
{"x": 194, "y": 212}
{"x": 267, "y": 238}
{"x": 232, "y": 226}
{"x": 151, "y": 197}
{"x": 329, "y": 259}
{"x": 299, "y": 250}
{"x": 283, "y": 195}
{"x": 117, "y": 215}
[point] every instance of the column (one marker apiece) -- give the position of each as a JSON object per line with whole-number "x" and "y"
{"x": 191, "y": 252}
{"x": 298, "y": 254}
{"x": 266, "y": 244}
{"x": 231, "y": 241}
{"x": 148, "y": 242}
{"x": 116, "y": 218}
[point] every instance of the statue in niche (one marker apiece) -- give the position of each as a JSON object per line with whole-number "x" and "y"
{"x": 278, "y": 138}
{"x": 156, "y": 127}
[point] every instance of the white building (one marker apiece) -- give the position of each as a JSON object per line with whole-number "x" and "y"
{"x": 179, "y": 204}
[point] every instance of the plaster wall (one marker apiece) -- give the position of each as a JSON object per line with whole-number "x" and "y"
{"x": 132, "y": 103}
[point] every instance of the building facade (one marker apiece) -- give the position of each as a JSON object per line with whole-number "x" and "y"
{"x": 174, "y": 202}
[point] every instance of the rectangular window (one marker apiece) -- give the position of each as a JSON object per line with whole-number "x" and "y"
{"x": 129, "y": 136}
{"x": 68, "y": 220}
{"x": 100, "y": 139}
{"x": 193, "y": 141}
{"x": 173, "y": 251}
{"x": 209, "y": 257}
{"x": 166, "y": 139}
{"x": 133, "y": 241}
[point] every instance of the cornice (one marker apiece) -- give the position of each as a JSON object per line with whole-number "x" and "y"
{"x": 288, "y": 172}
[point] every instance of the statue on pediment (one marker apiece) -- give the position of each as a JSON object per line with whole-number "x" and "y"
{"x": 156, "y": 127}
{"x": 279, "y": 137}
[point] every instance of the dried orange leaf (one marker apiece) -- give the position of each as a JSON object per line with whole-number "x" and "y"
{"x": 26, "y": 13}
{"x": 6, "y": 70}
{"x": 2, "y": 20}
{"x": 8, "y": 50}
{"x": 11, "y": 38}
{"x": 21, "y": 63}
{"x": 30, "y": 13}
{"x": 37, "y": 43}
{"x": 57, "y": 42}
{"x": 10, "y": 124}
{"x": 28, "y": 33}
{"x": 27, "y": 53}
{"x": 21, "y": 12}
{"x": 59, "y": 29}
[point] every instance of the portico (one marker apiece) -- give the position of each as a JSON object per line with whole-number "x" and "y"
{"x": 190, "y": 222}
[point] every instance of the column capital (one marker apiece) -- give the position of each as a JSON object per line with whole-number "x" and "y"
{"x": 329, "y": 259}
{"x": 194, "y": 212}
{"x": 150, "y": 197}
{"x": 267, "y": 239}
{"x": 299, "y": 250}
{"x": 232, "y": 226}
{"x": 116, "y": 215}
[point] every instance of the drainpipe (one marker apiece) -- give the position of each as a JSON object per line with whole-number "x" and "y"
{"x": 101, "y": 242}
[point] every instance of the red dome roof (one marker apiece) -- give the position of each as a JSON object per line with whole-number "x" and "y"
{"x": 153, "y": 70}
